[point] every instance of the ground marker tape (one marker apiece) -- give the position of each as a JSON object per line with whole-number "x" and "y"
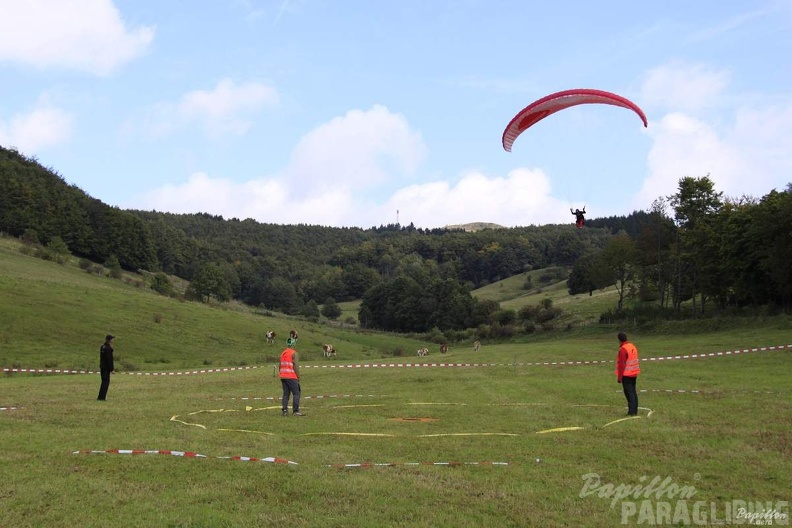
{"x": 393, "y": 464}
{"x": 189, "y": 454}
{"x": 356, "y": 406}
{"x": 246, "y": 431}
{"x": 466, "y": 434}
{"x": 706, "y": 391}
{"x": 430, "y": 403}
{"x": 347, "y": 434}
{"x": 9, "y": 408}
{"x": 621, "y": 420}
{"x": 175, "y": 417}
{"x": 647, "y": 409}
{"x": 560, "y": 429}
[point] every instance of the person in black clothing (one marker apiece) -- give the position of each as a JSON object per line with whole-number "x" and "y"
{"x": 105, "y": 366}
{"x": 580, "y": 220}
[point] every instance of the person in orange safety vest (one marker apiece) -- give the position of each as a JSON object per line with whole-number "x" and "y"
{"x": 627, "y": 370}
{"x": 289, "y": 373}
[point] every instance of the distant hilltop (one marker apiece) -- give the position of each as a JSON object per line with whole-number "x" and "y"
{"x": 475, "y": 226}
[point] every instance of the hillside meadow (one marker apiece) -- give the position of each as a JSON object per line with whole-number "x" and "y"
{"x": 509, "y": 436}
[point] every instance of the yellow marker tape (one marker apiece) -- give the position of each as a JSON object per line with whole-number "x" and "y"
{"x": 248, "y": 408}
{"x": 467, "y": 434}
{"x": 437, "y": 404}
{"x": 347, "y": 434}
{"x": 246, "y": 431}
{"x": 175, "y": 419}
{"x": 213, "y": 411}
{"x": 621, "y": 420}
{"x": 352, "y": 406}
{"x": 647, "y": 409}
{"x": 560, "y": 429}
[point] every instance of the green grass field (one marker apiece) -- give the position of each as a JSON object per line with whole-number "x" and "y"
{"x": 730, "y": 440}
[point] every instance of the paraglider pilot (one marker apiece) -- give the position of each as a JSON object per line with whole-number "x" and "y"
{"x": 580, "y": 219}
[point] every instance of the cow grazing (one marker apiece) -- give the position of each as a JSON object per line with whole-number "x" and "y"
{"x": 423, "y": 352}
{"x": 293, "y": 334}
{"x": 443, "y": 348}
{"x": 329, "y": 350}
{"x": 476, "y": 346}
{"x": 270, "y": 337}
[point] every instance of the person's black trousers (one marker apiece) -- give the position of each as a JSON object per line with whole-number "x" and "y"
{"x": 291, "y": 386}
{"x": 628, "y": 384}
{"x": 105, "y": 384}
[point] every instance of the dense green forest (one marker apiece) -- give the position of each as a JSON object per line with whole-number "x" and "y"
{"x": 690, "y": 254}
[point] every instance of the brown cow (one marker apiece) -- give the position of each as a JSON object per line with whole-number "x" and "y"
{"x": 329, "y": 350}
{"x": 423, "y": 352}
{"x": 270, "y": 337}
{"x": 443, "y": 348}
{"x": 476, "y": 346}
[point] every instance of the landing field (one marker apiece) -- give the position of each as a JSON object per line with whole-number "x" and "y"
{"x": 512, "y": 443}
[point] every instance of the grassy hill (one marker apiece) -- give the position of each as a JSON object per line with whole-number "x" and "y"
{"x": 56, "y": 316}
{"x": 577, "y": 310}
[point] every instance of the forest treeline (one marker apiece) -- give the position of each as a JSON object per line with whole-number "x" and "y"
{"x": 689, "y": 249}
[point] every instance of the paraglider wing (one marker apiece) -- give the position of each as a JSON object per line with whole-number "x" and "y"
{"x": 552, "y": 103}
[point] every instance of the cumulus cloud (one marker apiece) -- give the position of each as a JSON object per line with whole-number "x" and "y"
{"x": 745, "y": 151}
{"x": 224, "y": 110}
{"x": 522, "y": 197}
{"x": 42, "y": 127}
{"x": 682, "y": 86}
{"x": 86, "y": 35}
{"x": 358, "y": 150}
{"x": 335, "y": 178}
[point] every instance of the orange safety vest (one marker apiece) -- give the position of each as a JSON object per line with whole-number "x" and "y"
{"x": 286, "y": 370}
{"x": 627, "y": 361}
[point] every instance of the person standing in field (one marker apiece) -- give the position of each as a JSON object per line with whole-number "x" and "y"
{"x": 289, "y": 373}
{"x": 106, "y": 366}
{"x": 627, "y": 370}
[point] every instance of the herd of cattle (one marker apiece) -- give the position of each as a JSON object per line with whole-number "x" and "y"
{"x": 329, "y": 350}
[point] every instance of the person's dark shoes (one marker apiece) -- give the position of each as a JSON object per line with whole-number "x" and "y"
{"x": 100, "y": 399}
{"x": 297, "y": 413}
{"x": 285, "y": 413}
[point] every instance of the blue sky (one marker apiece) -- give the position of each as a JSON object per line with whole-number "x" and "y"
{"x": 365, "y": 112}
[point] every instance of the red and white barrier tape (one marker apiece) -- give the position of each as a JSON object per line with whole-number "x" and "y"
{"x": 411, "y": 365}
{"x": 9, "y": 408}
{"x": 705, "y": 391}
{"x": 392, "y": 464}
{"x": 188, "y": 454}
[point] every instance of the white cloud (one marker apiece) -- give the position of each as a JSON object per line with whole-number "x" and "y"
{"x": 335, "y": 179}
{"x": 523, "y": 197}
{"x": 87, "y": 35}
{"x": 42, "y": 127}
{"x": 745, "y": 151}
{"x": 681, "y": 86}
{"x": 222, "y": 111}
{"x": 358, "y": 150}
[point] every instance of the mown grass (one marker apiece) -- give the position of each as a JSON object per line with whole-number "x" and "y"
{"x": 732, "y": 441}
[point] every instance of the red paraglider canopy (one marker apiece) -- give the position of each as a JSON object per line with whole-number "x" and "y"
{"x": 552, "y": 103}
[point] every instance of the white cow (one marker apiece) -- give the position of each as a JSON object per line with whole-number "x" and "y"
{"x": 423, "y": 352}
{"x": 270, "y": 337}
{"x": 476, "y": 346}
{"x": 329, "y": 350}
